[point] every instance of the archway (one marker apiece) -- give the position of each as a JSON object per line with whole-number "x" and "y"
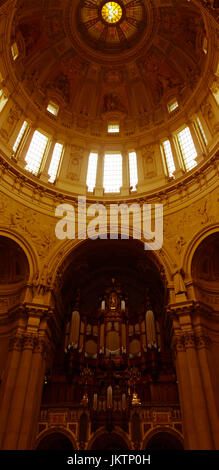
{"x": 55, "y": 441}
{"x": 164, "y": 440}
{"x": 205, "y": 269}
{"x": 109, "y": 441}
{"x": 14, "y": 268}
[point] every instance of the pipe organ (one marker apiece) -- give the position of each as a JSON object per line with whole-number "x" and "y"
{"x": 113, "y": 360}
{"x": 113, "y": 333}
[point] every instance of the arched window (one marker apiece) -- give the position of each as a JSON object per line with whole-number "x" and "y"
{"x": 36, "y": 152}
{"x": 92, "y": 171}
{"x": 54, "y": 165}
{"x": 169, "y": 157}
{"x": 133, "y": 170}
{"x": 187, "y": 148}
{"x": 112, "y": 179}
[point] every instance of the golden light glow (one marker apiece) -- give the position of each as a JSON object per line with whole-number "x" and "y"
{"x": 112, "y": 12}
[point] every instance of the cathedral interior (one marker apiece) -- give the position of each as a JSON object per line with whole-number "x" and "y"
{"x": 106, "y": 345}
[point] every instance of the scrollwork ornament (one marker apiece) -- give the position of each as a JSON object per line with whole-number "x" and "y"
{"x": 16, "y": 343}
{"x": 189, "y": 340}
{"x": 41, "y": 347}
{"x": 179, "y": 344}
{"x": 203, "y": 341}
{"x": 29, "y": 342}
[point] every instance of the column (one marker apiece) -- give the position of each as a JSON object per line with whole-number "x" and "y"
{"x": 19, "y": 395}
{"x": 84, "y": 168}
{"x": 21, "y": 155}
{"x": 98, "y": 191}
{"x": 30, "y": 416}
{"x": 197, "y": 394}
{"x": 125, "y": 174}
{"x": 15, "y": 133}
{"x": 161, "y": 170}
{"x": 140, "y": 169}
{"x": 205, "y": 126}
{"x": 178, "y": 169}
{"x": 196, "y": 142}
{"x": 44, "y": 176}
{"x": 203, "y": 346}
{"x": 15, "y": 347}
{"x": 184, "y": 387}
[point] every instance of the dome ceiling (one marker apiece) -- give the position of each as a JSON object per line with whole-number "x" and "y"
{"x": 130, "y": 57}
{"x": 113, "y": 26}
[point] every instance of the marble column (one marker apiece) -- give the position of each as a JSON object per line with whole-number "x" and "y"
{"x": 203, "y": 348}
{"x": 198, "y": 399}
{"x": 28, "y": 429}
{"x": 15, "y": 348}
{"x": 184, "y": 388}
{"x": 15, "y": 415}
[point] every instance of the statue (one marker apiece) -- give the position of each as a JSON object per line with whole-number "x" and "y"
{"x": 179, "y": 285}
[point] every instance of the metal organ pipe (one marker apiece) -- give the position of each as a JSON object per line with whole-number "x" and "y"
{"x": 74, "y": 329}
{"x": 109, "y": 397}
{"x": 150, "y": 329}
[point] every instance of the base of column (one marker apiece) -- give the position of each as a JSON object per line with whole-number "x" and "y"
{"x": 199, "y": 158}
{"x": 98, "y": 192}
{"x": 125, "y": 191}
{"x": 44, "y": 177}
{"x": 178, "y": 173}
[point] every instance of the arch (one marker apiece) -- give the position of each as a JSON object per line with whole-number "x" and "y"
{"x": 54, "y": 436}
{"x": 192, "y": 247}
{"x": 163, "y": 438}
{"x": 29, "y": 251}
{"x": 102, "y": 437}
{"x": 59, "y": 256}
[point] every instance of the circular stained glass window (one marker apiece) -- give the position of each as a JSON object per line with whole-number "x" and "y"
{"x": 112, "y": 12}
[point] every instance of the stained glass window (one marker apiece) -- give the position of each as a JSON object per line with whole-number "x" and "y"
{"x": 112, "y": 12}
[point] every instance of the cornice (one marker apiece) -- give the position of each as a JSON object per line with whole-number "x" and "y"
{"x": 31, "y": 191}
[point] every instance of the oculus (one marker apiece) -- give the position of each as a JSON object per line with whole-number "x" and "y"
{"x": 111, "y": 12}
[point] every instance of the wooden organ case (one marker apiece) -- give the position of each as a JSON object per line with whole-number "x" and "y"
{"x": 112, "y": 364}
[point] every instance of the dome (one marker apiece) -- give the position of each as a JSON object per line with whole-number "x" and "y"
{"x": 108, "y": 97}
{"x": 133, "y": 67}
